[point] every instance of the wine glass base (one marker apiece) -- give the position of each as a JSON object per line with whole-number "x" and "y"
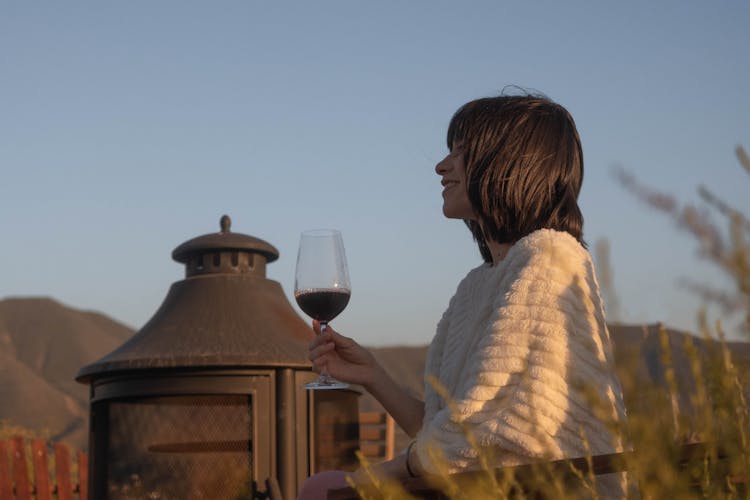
{"x": 322, "y": 385}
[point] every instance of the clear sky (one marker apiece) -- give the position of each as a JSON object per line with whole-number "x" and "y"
{"x": 127, "y": 128}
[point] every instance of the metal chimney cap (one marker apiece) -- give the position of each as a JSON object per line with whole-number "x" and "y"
{"x": 224, "y": 240}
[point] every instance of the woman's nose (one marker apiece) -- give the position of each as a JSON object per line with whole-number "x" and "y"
{"x": 441, "y": 167}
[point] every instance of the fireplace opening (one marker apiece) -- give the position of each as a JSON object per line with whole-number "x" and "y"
{"x": 178, "y": 447}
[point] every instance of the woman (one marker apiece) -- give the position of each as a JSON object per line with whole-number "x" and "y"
{"x": 522, "y": 353}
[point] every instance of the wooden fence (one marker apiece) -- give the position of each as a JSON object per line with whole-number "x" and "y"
{"x": 48, "y": 481}
{"x": 376, "y": 435}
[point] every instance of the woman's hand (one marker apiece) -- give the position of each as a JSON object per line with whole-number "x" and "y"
{"x": 347, "y": 361}
{"x": 343, "y": 358}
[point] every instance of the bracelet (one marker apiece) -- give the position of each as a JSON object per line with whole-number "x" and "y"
{"x": 408, "y": 452}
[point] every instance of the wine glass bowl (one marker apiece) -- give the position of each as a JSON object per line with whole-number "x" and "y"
{"x": 322, "y": 304}
{"x": 321, "y": 284}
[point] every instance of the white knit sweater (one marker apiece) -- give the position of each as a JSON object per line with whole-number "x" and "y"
{"x": 524, "y": 352}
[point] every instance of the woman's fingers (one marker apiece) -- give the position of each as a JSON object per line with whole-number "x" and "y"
{"x": 332, "y": 351}
{"x": 320, "y": 350}
{"x": 320, "y": 339}
{"x": 339, "y": 339}
{"x": 329, "y": 336}
{"x": 332, "y": 335}
{"x": 320, "y": 362}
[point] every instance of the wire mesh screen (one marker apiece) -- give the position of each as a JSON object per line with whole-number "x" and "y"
{"x": 180, "y": 447}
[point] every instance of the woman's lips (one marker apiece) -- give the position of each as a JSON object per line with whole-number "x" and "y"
{"x": 447, "y": 185}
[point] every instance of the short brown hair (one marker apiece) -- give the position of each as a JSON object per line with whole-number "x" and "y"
{"x": 524, "y": 167}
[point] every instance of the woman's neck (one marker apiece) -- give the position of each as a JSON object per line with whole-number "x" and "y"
{"x": 498, "y": 251}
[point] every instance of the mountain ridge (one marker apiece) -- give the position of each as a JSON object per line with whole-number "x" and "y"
{"x": 43, "y": 344}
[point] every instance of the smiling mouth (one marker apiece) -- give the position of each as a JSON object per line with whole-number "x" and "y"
{"x": 448, "y": 184}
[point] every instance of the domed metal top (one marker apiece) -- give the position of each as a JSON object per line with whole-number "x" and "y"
{"x": 225, "y": 313}
{"x": 224, "y": 240}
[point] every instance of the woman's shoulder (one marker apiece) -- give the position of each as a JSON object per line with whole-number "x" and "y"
{"x": 534, "y": 254}
{"x": 544, "y": 240}
{"x": 549, "y": 246}
{"x": 474, "y": 275}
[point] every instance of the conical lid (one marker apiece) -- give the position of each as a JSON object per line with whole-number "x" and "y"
{"x": 223, "y": 315}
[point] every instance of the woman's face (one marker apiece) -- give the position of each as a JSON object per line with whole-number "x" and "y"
{"x": 456, "y": 204}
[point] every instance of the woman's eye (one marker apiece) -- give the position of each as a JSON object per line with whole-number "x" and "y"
{"x": 458, "y": 148}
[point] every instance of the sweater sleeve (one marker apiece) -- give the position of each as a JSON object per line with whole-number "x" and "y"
{"x": 539, "y": 378}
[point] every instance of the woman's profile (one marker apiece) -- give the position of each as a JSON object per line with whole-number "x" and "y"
{"x": 521, "y": 357}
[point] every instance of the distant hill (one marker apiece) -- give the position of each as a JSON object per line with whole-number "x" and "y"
{"x": 43, "y": 344}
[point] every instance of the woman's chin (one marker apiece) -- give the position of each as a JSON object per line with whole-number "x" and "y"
{"x": 451, "y": 213}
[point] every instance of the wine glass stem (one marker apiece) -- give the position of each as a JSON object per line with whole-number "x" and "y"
{"x": 324, "y": 377}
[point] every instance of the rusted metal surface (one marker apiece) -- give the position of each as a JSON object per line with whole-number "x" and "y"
{"x": 220, "y": 317}
{"x": 286, "y": 451}
{"x": 215, "y": 321}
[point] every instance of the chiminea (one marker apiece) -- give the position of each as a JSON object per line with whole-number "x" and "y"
{"x": 206, "y": 401}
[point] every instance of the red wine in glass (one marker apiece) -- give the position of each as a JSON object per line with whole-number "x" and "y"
{"x": 321, "y": 285}
{"x": 323, "y": 304}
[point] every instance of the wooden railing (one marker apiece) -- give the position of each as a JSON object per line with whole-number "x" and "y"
{"x": 376, "y": 435}
{"x": 49, "y": 481}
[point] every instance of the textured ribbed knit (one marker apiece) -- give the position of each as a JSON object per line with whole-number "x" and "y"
{"x": 524, "y": 353}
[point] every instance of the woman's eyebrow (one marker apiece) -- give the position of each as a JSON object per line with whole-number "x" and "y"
{"x": 458, "y": 146}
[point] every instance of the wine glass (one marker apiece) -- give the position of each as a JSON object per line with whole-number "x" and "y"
{"x": 321, "y": 285}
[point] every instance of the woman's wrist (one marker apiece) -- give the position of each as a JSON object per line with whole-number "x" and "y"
{"x": 377, "y": 377}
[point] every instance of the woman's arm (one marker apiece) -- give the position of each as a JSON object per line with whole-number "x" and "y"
{"x": 346, "y": 360}
{"x": 405, "y": 409}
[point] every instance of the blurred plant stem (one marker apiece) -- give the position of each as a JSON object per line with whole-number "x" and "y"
{"x": 729, "y": 250}
{"x": 607, "y": 280}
